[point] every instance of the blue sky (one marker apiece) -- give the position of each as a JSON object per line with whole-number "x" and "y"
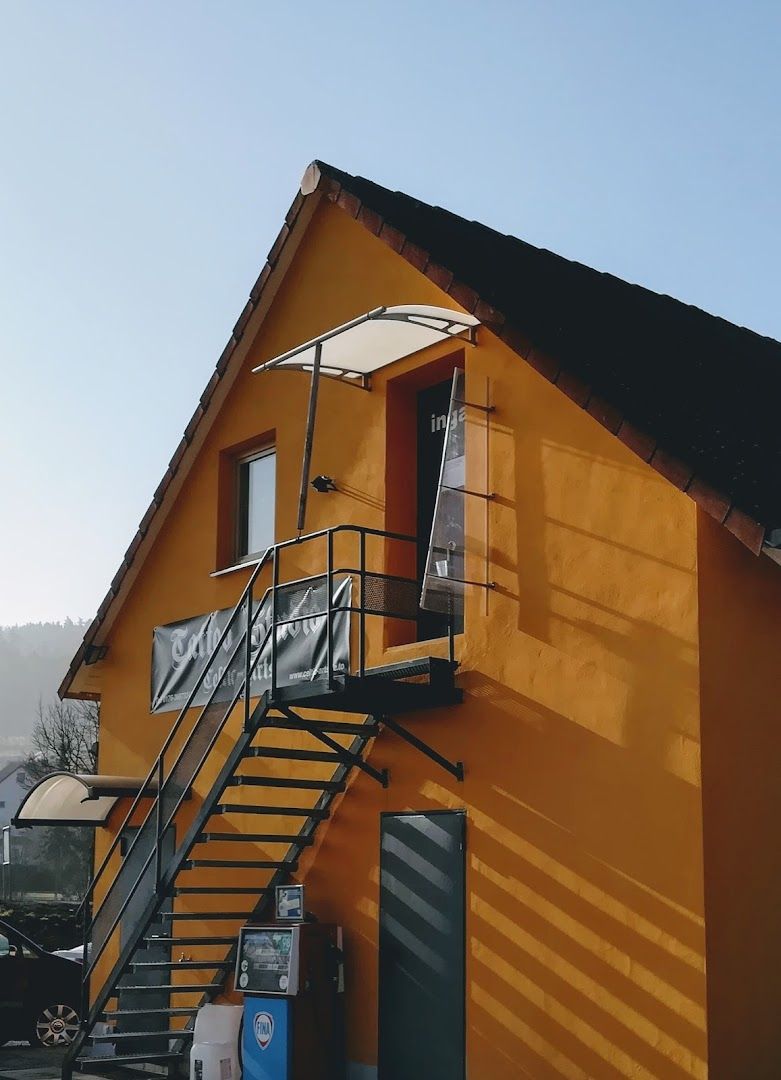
{"x": 149, "y": 151}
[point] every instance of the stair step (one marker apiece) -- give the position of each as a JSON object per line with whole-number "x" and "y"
{"x": 179, "y": 1033}
{"x": 150, "y": 1058}
{"x": 255, "y": 838}
{"x": 407, "y": 669}
{"x": 172, "y": 1010}
{"x": 256, "y": 864}
{"x": 330, "y": 727}
{"x": 278, "y": 811}
{"x": 292, "y": 755}
{"x": 180, "y": 965}
{"x": 195, "y": 940}
{"x": 286, "y": 782}
{"x": 214, "y": 890}
{"x": 179, "y": 988}
{"x": 210, "y": 916}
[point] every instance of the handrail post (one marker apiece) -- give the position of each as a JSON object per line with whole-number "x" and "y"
{"x": 159, "y": 822}
{"x": 247, "y": 661}
{"x": 329, "y": 586}
{"x": 85, "y": 982}
{"x": 451, "y": 641}
{"x": 274, "y": 586}
{"x": 362, "y": 612}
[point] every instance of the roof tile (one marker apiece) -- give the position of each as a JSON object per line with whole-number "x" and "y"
{"x": 439, "y": 275}
{"x": 641, "y": 444}
{"x": 463, "y": 295}
{"x": 370, "y": 220}
{"x": 193, "y": 423}
{"x": 415, "y": 255}
{"x": 709, "y": 499}
{"x": 671, "y": 468}
{"x": 350, "y": 203}
{"x": 603, "y": 411}
{"x": 574, "y": 388}
{"x": 279, "y": 243}
{"x": 243, "y": 319}
{"x": 392, "y": 237}
{"x": 748, "y": 531}
{"x": 260, "y": 283}
{"x": 542, "y": 362}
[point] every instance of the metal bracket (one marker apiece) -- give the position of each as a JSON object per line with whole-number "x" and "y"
{"x": 454, "y": 768}
{"x": 467, "y": 491}
{"x": 474, "y": 405}
{"x": 346, "y": 756}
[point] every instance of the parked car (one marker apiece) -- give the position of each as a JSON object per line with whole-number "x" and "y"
{"x": 39, "y": 992}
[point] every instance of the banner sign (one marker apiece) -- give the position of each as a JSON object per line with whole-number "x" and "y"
{"x": 181, "y": 650}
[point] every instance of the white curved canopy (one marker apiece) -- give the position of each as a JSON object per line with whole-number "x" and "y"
{"x": 65, "y": 798}
{"x": 372, "y": 341}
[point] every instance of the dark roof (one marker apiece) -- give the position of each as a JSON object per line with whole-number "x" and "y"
{"x": 8, "y": 767}
{"x": 707, "y": 392}
{"x": 690, "y": 393}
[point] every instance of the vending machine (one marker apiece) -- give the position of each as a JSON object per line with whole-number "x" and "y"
{"x": 291, "y": 974}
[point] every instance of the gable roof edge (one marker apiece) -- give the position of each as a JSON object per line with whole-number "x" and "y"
{"x": 224, "y": 375}
{"x": 716, "y": 503}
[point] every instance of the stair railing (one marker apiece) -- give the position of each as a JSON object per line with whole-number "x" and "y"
{"x": 157, "y": 779}
{"x": 170, "y": 789}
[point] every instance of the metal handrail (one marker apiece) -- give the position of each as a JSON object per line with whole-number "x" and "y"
{"x": 158, "y": 769}
{"x": 172, "y": 733}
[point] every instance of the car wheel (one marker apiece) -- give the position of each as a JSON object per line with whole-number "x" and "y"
{"x": 55, "y": 1025}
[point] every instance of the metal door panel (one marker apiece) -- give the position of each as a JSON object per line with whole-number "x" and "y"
{"x": 422, "y": 946}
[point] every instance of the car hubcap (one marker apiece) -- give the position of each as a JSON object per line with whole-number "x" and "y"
{"x": 57, "y": 1026}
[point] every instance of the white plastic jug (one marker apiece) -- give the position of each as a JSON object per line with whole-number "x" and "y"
{"x": 215, "y": 1050}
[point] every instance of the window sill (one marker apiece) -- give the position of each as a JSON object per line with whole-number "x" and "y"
{"x": 412, "y": 650}
{"x": 250, "y": 564}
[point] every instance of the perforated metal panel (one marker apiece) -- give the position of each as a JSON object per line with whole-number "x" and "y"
{"x": 386, "y": 595}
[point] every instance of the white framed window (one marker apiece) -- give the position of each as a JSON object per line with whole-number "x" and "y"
{"x": 255, "y": 502}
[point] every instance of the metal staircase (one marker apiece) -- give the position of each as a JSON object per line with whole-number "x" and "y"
{"x": 290, "y": 754}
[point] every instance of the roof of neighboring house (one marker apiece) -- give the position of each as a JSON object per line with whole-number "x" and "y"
{"x": 690, "y": 393}
{"x": 9, "y": 768}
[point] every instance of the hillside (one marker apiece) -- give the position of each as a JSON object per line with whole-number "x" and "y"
{"x": 33, "y": 660}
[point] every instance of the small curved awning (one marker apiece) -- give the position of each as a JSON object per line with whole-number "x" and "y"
{"x": 65, "y": 798}
{"x": 372, "y": 341}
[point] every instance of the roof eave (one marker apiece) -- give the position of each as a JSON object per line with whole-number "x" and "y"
{"x": 226, "y": 371}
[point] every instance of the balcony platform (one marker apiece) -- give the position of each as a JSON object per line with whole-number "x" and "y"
{"x": 381, "y": 691}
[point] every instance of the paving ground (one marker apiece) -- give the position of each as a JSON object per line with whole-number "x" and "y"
{"x": 22, "y": 1062}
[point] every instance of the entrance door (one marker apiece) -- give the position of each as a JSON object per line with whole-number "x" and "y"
{"x": 145, "y": 999}
{"x": 422, "y": 946}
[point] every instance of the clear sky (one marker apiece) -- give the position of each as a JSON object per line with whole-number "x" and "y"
{"x": 149, "y": 151}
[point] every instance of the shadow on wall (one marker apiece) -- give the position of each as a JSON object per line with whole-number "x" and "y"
{"x": 584, "y": 938}
{"x": 584, "y": 933}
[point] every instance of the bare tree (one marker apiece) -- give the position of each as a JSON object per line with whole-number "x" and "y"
{"x": 64, "y": 738}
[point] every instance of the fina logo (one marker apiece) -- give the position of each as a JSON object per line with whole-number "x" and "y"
{"x": 264, "y": 1029}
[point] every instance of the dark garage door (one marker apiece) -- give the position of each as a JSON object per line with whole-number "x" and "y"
{"x": 422, "y": 946}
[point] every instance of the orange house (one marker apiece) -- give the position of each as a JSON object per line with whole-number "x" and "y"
{"x": 541, "y": 806}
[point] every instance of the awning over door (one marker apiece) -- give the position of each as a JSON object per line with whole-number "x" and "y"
{"x": 65, "y": 798}
{"x": 372, "y": 341}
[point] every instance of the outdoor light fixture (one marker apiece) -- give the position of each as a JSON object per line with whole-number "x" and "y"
{"x": 323, "y": 483}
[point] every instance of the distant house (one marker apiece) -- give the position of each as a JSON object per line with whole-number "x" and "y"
{"x": 11, "y": 789}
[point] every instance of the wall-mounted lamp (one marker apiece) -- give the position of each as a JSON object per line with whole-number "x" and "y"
{"x": 323, "y": 483}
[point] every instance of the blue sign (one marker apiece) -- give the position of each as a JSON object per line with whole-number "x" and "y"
{"x": 267, "y": 1042}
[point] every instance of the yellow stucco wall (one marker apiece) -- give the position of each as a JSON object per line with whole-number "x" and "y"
{"x": 580, "y": 728}
{"x": 740, "y": 597}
